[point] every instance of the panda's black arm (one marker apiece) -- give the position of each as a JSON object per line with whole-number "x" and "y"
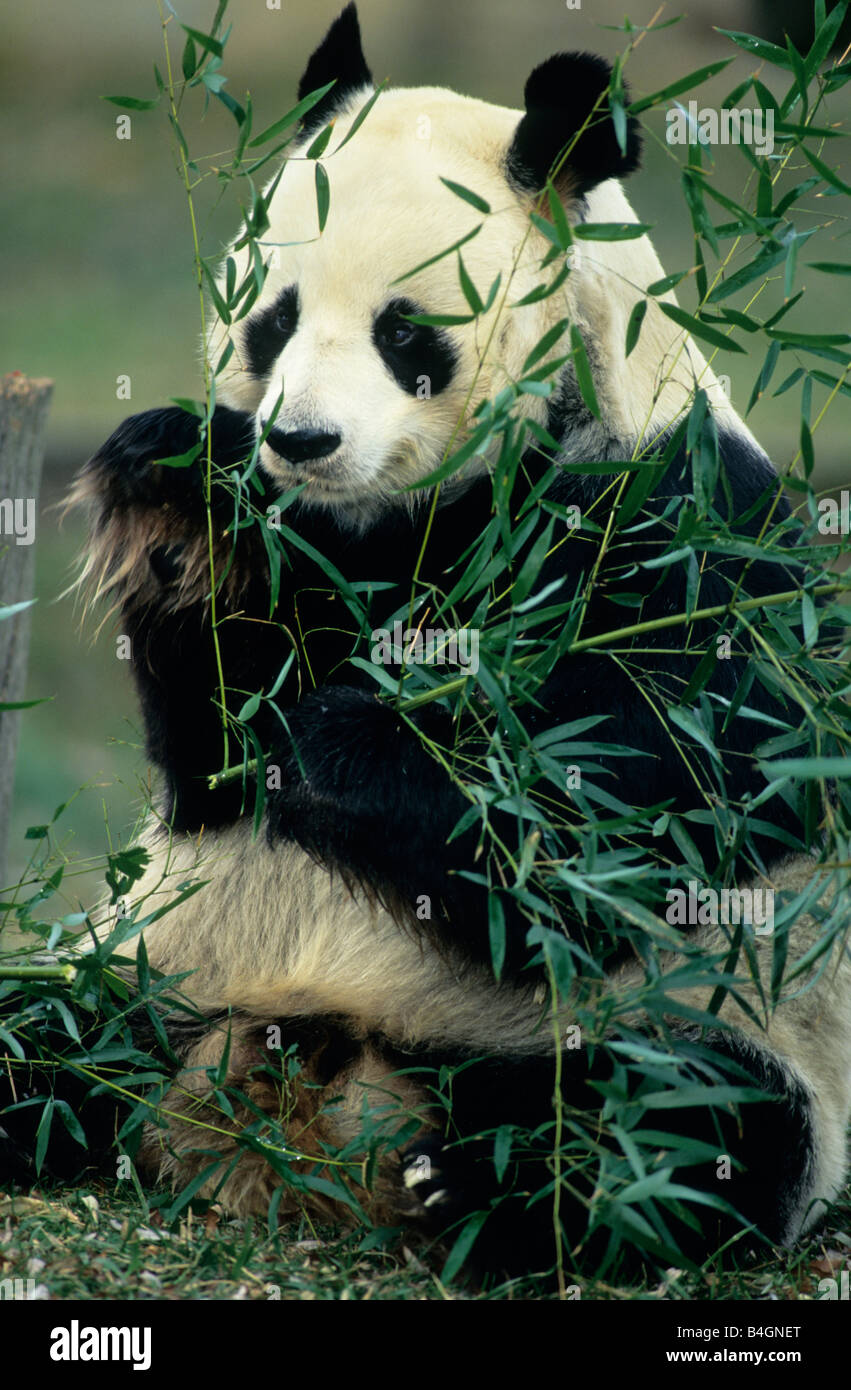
{"x": 149, "y": 554}
{"x": 177, "y": 680}
{"x": 635, "y": 692}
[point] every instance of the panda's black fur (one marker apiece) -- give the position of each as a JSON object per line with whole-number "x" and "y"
{"x": 361, "y": 795}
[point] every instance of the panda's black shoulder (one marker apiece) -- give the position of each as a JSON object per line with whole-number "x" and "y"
{"x": 750, "y": 474}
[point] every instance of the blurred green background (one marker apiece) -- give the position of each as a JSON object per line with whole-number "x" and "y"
{"x": 97, "y": 255}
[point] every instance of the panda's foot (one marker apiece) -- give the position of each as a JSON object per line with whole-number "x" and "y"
{"x": 434, "y": 1177}
{"x": 452, "y": 1184}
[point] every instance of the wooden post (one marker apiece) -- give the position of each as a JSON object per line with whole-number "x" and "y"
{"x": 23, "y": 418}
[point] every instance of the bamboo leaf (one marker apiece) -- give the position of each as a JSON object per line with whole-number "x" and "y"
{"x": 189, "y": 61}
{"x": 668, "y": 282}
{"x": 220, "y": 306}
{"x": 548, "y": 230}
{"x": 455, "y": 461}
{"x": 825, "y": 35}
{"x": 809, "y": 619}
{"x": 438, "y": 320}
{"x": 611, "y": 231}
{"x": 584, "y": 378}
{"x": 323, "y": 196}
{"x": 205, "y": 41}
{"x": 42, "y": 1134}
{"x": 496, "y": 933}
{"x": 319, "y": 145}
{"x": 699, "y": 329}
{"x": 307, "y": 104}
{"x": 764, "y": 261}
{"x": 808, "y": 769}
{"x": 549, "y": 340}
{"x": 467, "y": 195}
{"x": 180, "y": 460}
{"x": 502, "y": 1150}
{"x": 360, "y": 117}
{"x": 809, "y": 340}
{"x": 682, "y": 84}
{"x": 432, "y": 260}
{"x": 492, "y": 293}
{"x": 559, "y": 216}
{"x": 800, "y": 74}
{"x": 685, "y": 720}
{"x": 633, "y": 328}
{"x": 10, "y": 609}
{"x": 133, "y": 103}
{"x": 828, "y": 174}
{"x": 463, "y": 1245}
{"x": 469, "y": 290}
{"x": 543, "y": 291}
{"x": 760, "y": 48}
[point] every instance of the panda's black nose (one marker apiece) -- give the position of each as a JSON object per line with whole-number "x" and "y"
{"x": 301, "y": 446}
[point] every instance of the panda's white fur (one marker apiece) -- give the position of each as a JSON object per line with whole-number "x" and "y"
{"x": 274, "y": 934}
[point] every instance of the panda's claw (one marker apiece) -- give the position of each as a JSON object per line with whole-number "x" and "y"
{"x": 440, "y": 1198}
{"x": 412, "y": 1177}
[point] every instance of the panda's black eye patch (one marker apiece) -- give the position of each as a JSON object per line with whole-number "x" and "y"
{"x": 268, "y": 332}
{"x": 421, "y": 358}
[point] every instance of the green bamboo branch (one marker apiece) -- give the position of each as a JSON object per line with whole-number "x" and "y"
{"x": 604, "y": 639}
{"x": 558, "y": 1110}
{"x": 65, "y": 972}
{"x": 208, "y": 384}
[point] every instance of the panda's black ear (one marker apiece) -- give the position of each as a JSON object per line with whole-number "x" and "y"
{"x": 338, "y": 59}
{"x": 559, "y": 95}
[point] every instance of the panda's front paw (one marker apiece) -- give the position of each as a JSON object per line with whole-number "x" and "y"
{"x": 329, "y": 750}
{"x": 126, "y": 471}
{"x": 360, "y": 794}
{"x": 351, "y": 756}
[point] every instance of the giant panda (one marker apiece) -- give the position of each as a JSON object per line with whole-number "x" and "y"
{"x": 312, "y": 929}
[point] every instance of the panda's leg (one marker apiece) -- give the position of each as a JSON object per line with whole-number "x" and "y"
{"x": 801, "y": 1050}
{"x": 765, "y": 1152}
{"x": 775, "y": 1160}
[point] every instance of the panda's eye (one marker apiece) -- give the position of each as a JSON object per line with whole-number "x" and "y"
{"x": 392, "y": 329}
{"x": 400, "y": 334}
{"x": 285, "y": 317}
{"x": 395, "y": 332}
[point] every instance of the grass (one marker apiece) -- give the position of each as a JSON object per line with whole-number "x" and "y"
{"x": 95, "y": 1243}
{"x": 92, "y": 1243}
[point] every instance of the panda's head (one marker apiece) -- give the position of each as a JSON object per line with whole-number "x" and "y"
{"x": 371, "y": 401}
